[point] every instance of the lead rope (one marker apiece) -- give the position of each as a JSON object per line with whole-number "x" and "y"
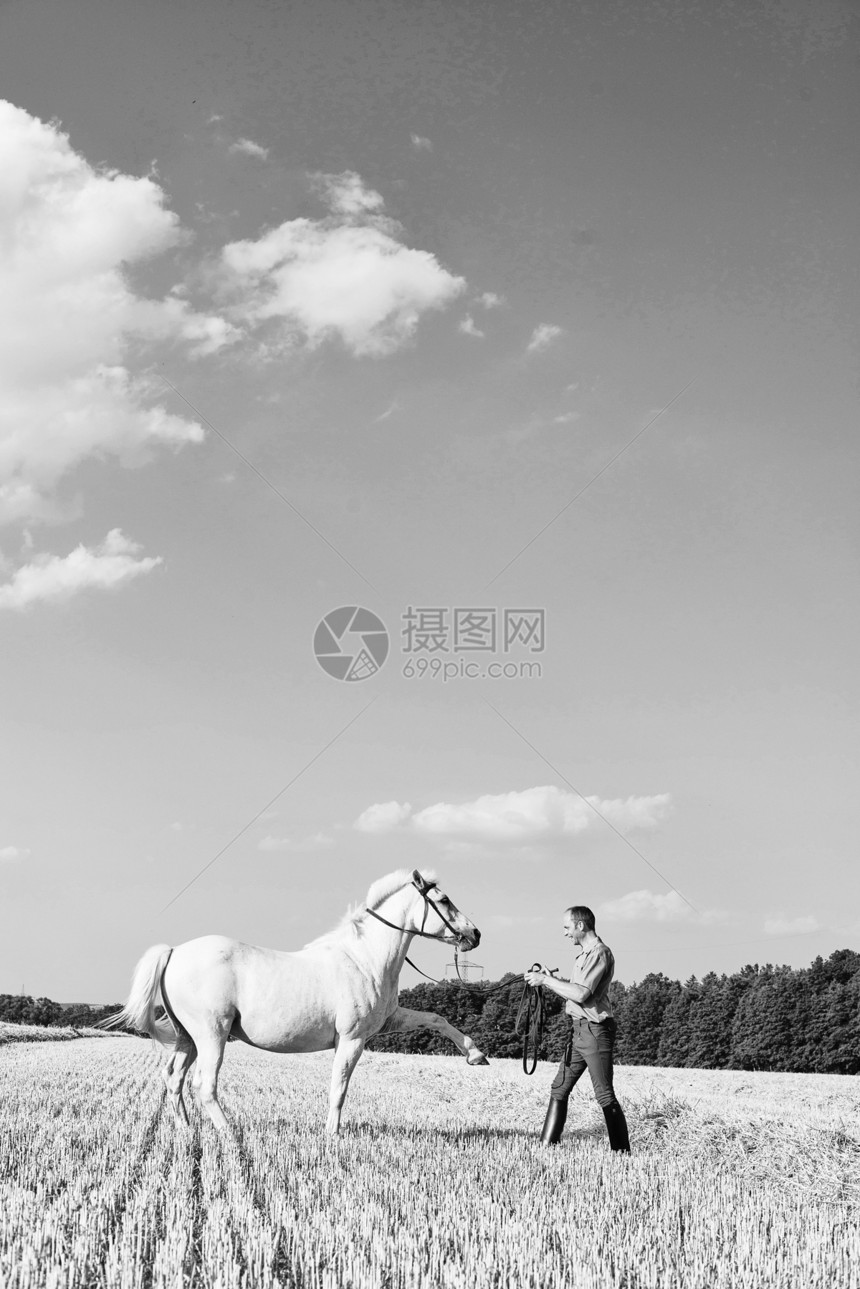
{"x": 424, "y": 973}
{"x": 532, "y": 1013}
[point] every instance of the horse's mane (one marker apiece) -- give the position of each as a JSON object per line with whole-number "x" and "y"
{"x": 356, "y": 914}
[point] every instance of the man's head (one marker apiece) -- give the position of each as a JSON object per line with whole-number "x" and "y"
{"x": 578, "y": 923}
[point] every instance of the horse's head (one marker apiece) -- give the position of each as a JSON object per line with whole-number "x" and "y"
{"x": 441, "y": 919}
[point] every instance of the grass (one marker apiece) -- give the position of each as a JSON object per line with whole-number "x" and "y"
{"x": 12, "y": 1033}
{"x": 735, "y": 1179}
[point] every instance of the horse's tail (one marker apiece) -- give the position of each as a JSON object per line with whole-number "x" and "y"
{"x": 139, "y": 1011}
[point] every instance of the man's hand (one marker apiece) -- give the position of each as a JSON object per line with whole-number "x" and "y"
{"x": 539, "y": 975}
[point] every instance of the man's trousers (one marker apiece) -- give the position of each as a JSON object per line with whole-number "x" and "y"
{"x": 590, "y": 1047}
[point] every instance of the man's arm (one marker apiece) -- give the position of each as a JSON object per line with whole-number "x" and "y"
{"x": 564, "y": 988}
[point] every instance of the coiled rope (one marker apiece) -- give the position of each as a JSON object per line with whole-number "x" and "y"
{"x": 531, "y": 1016}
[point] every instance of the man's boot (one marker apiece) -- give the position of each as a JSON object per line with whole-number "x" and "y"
{"x": 616, "y": 1126}
{"x": 554, "y": 1122}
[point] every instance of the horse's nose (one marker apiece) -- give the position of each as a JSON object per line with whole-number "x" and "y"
{"x": 476, "y": 938}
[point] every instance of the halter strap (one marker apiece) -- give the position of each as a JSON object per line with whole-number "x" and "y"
{"x": 425, "y": 934}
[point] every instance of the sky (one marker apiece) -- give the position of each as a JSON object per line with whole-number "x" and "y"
{"x": 531, "y": 330}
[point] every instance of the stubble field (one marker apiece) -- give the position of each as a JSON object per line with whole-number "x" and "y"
{"x": 735, "y": 1180}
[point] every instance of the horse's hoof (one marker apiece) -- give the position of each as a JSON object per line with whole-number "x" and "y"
{"x": 480, "y": 1059}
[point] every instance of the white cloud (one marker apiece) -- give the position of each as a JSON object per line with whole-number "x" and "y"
{"x": 489, "y": 300}
{"x": 537, "y": 812}
{"x": 534, "y": 814}
{"x": 645, "y": 906}
{"x": 10, "y": 854}
{"x": 468, "y": 328}
{"x": 67, "y": 314}
{"x": 319, "y": 841}
{"x": 58, "y": 578}
{"x": 542, "y": 337}
{"x": 779, "y": 924}
{"x": 383, "y": 818}
{"x": 347, "y": 276}
{"x": 250, "y": 149}
{"x": 420, "y": 144}
{"x": 345, "y": 194}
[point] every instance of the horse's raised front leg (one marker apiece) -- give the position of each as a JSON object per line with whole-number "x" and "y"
{"x": 404, "y": 1019}
{"x": 346, "y": 1056}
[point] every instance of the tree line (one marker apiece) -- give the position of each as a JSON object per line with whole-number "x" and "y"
{"x": 803, "y": 1020}
{"x": 20, "y": 1009}
{"x": 760, "y": 1018}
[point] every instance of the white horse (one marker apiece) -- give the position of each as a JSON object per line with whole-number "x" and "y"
{"x": 337, "y": 992}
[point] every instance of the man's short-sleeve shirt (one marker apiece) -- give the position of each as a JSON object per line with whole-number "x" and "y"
{"x": 593, "y": 969}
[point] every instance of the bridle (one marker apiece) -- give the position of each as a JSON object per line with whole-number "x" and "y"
{"x": 427, "y": 935}
{"x": 428, "y": 904}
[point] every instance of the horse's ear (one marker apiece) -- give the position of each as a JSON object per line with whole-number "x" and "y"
{"x": 418, "y": 880}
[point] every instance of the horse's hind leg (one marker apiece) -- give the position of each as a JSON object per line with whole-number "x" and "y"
{"x": 210, "y": 1054}
{"x": 183, "y": 1057}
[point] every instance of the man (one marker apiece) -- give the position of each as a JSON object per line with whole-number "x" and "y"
{"x": 592, "y": 1036}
